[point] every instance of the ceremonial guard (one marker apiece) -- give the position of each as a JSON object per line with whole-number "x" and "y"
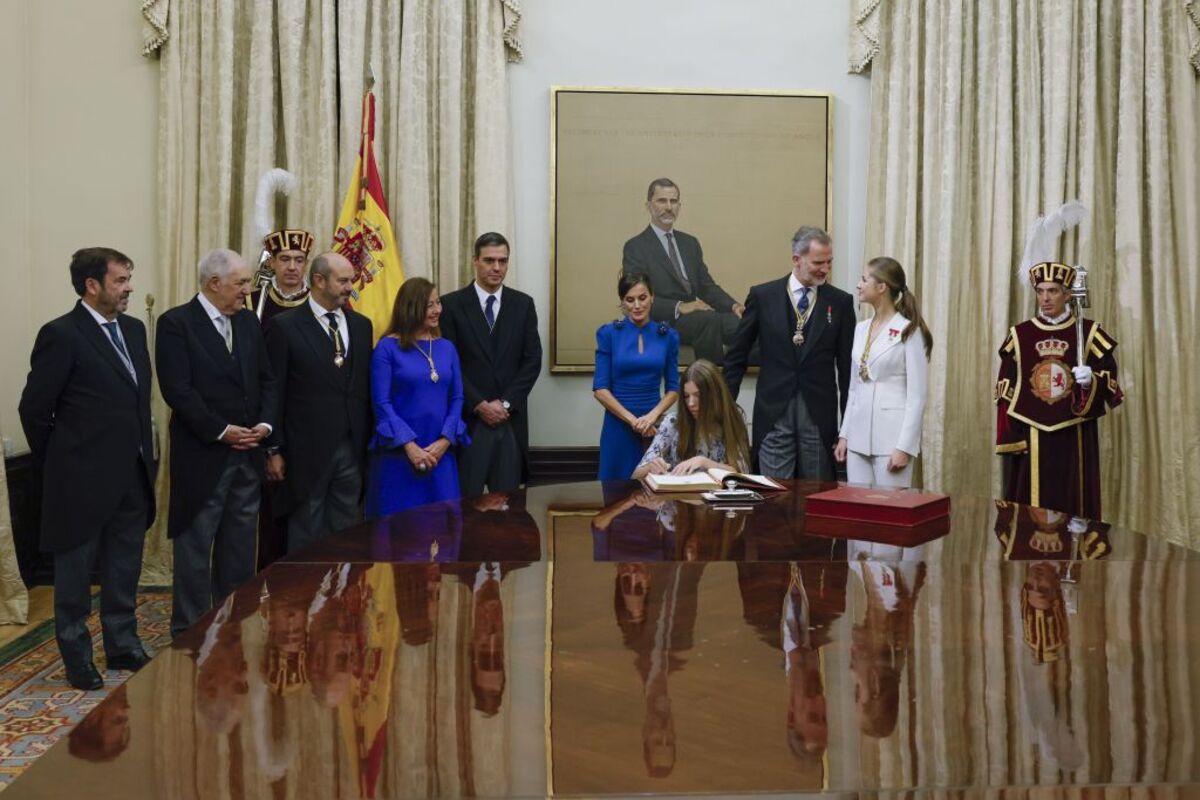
{"x": 1050, "y": 390}
{"x": 282, "y": 281}
{"x": 283, "y": 267}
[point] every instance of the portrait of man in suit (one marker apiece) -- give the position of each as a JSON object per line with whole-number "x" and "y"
{"x": 214, "y": 374}
{"x": 685, "y": 294}
{"x": 804, "y": 328}
{"x": 321, "y": 356}
{"x": 86, "y": 413}
{"x": 494, "y": 328}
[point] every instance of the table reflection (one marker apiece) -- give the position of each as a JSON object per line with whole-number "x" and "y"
{"x": 668, "y": 647}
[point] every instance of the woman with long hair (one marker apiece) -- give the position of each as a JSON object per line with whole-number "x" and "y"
{"x": 417, "y": 392}
{"x": 881, "y": 429}
{"x": 705, "y": 431}
{"x": 635, "y": 360}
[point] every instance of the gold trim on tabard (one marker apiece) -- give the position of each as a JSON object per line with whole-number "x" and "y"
{"x": 1046, "y": 326}
{"x": 1014, "y": 447}
{"x": 1035, "y": 472}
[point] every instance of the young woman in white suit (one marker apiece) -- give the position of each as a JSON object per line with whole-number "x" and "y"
{"x": 881, "y": 429}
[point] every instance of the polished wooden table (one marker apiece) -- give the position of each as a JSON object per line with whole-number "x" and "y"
{"x": 590, "y": 638}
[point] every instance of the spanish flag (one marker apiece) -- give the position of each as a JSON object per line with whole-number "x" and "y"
{"x": 364, "y": 233}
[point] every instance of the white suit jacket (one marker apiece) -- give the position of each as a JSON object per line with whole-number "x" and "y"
{"x": 884, "y": 413}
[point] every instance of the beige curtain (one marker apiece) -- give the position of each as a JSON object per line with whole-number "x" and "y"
{"x": 14, "y": 599}
{"x": 254, "y": 84}
{"x": 985, "y": 115}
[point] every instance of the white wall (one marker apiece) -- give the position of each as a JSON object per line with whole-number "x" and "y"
{"x": 79, "y": 106}
{"x": 764, "y": 44}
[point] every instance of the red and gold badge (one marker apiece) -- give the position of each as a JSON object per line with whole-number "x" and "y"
{"x": 1051, "y": 379}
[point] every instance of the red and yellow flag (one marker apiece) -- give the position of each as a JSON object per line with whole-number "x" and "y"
{"x": 364, "y": 232}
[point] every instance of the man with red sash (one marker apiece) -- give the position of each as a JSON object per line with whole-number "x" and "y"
{"x": 1048, "y": 404}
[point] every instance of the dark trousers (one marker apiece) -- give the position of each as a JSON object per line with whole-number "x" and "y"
{"x": 492, "y": 459}
{"x": 333, "y": 502}
{"x": 794, "y": 449}
{"x": 707, "y": 332}
{"x": 216, "y": 552}
{"x": 119, "y": 547}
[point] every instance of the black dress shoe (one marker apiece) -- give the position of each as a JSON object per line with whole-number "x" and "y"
{"x": 85, "y": 677}
{"x": 133, "y": 660}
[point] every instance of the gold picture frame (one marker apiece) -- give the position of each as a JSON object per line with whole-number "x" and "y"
{"x": 752, "y": 166}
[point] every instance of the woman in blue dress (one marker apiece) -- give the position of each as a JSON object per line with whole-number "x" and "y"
{"x": 635, "y": 359}
{"x": 416, "y": 388}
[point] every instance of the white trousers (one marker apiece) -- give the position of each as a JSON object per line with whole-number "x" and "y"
{"x": 873, "y": 471}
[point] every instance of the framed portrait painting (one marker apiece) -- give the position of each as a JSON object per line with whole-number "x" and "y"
{"x": 748, "y": 168}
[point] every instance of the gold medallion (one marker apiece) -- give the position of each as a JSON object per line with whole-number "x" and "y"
{"x": 338, "y": 361}
{"x": 798, "y": 339}
{"x": 433, "y": 375}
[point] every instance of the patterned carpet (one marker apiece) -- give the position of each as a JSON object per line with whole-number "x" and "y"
{"x": 37, "y": 705}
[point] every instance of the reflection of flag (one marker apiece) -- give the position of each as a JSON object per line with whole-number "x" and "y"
{"x": 364, "y": 232}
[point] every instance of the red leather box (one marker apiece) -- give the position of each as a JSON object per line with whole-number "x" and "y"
{"x": 903, "y": 507}
{"x": 898, "y": 535}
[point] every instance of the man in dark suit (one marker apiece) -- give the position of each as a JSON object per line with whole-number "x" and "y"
{"x": 214, "y": 373}
{"x": 804, "y": 328}
{"x": 494, "y": 329}
{"x": 86, "y": 414}
{"x": 685, "y": 295}
{"x": 321, "y": 357}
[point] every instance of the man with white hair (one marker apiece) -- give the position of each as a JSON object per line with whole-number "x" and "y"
{"x": 214, "y": 373}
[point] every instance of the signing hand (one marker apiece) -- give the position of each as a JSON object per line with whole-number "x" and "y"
{"x": 275, "y": 468}
{"x": 420, "y": 458}
{"x": 839, "y": 451}
{"x": 898, "y": 460}
{"x": 658, "y": 467}
{"x": 693, "y": 464}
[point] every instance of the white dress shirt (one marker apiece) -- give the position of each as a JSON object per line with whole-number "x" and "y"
{"x": 794, "y": 286}
{"x": 662, "y": 239}
{"x": 320, "y": 311}
{"x": 483, "y": 295}
{"x": 219, "y": 322}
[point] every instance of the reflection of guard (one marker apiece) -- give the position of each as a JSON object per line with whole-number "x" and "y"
{"x": 1028, "y": 533}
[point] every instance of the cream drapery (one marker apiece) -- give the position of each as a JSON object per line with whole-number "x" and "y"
{"x": 14, "y": 598}
{"x": 985, "y": 115}
{"x": 254, "y": 84}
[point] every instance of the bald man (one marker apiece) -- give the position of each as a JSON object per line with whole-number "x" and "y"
{"x": 321, "y": 355}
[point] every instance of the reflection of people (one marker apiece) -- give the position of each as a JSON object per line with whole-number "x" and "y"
{"x": 86, "y": 413}
{"x": 634, "y": 358}
{"x": 707, "y": 433}
{"x": 1047, "y": 406}
{"x": 214, "y": 373}
{"x": 881, "y": 429}
{"x": 103, "y": 734}
{"x": 221, "y": 669}
{"x": 494, "y": 329}
{"x": 880, "y": 643}
{"x": 321, "y": 354}
{"x": 417, "y": 391}
{"x": 487, "y": 639}
{"x": 804, "y": 328}
{"x": 656, "y": 608}
{"x": 688, "y": 298}
{"x": 1033, "y": 533}
{"x": 288, "y": 260}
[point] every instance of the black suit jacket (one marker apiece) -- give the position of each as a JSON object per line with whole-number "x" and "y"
{"x": 88, "y": 424}
{"x": 319, "y": 403}
{"x": 502, "y": 364}
{"x": 819, "y": 369}
{"x": 644, "y": 253}
{"x": 208, "y": 388}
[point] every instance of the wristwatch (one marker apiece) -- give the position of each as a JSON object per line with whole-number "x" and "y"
{"x": 506, "y": 404}
{"x": 272, "y": 451}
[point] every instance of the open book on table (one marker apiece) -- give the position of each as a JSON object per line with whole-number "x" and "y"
{"x": 707, "y": 480}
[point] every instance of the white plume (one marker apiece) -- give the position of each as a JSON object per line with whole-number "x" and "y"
{"x": 1041, "y": 241}
{"x": 272, "y": 181}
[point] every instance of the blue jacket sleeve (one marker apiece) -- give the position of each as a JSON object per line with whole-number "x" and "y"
{"x": 603, "y": 376}
{"x": 672, "y": 363}
{"x": 391, "y": 430}
{"x": 453, "y": 426}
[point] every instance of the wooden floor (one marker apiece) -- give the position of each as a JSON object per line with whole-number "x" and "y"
{"x": 41, "y": 608}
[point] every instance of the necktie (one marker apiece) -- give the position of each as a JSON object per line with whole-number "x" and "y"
{"x": 674, "y": 255}
{"x": 489, "y": 311}
{"x": 227, "y": 331}
{"x": 339, "y": 347}
{"x": 802, "y": 304}
{"x": 115, "y": 335}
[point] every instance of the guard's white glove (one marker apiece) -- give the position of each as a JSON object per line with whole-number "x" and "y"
{"x": 1077, "y": 525}
{"x": 1083, "y": 376}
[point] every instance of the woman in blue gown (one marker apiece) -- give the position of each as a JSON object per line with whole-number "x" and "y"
{"x": 635, "y": 358}
{"x": 416, "y": 388}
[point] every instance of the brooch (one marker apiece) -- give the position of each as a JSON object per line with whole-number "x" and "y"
{"x": 662, "y": 329}
{"x": 828, "y": 314}
{"x": 893, "y": 332}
